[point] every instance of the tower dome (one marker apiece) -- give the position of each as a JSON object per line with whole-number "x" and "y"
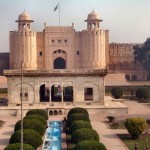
{"x": 24, "y": 17}
{"x": 93, "y": 16}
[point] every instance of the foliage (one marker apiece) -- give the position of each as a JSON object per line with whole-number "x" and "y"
{"x": 111, "y": 118}
{"x": 78, "y": 125}
{"x": 33, "y": 124}
{"x": 117, "y": 92}
{"x": 77, "y": 116}
{"x": 30, "y": 137}
{"x": 135, "y": 126}
{"x": 89, "y": 145}
{"x": 142, "y": 54}
{"x": 143, "y": 93}
{"x": 39, "y": 112}
{"x": 38, "y": 117}
{"x": 17, "y": 146}
{"x": 84, "y": 134}
{"x": 77, "y": 110}
{"x": 141, "y": 142}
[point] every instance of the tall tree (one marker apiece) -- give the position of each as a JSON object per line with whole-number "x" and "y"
{"x": 142, "y": 54}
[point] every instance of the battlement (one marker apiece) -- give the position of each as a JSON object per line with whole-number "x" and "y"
{"x": 126, "y": 45}
{"x": 23, "y": 32}
{"x": 60, "y": 29}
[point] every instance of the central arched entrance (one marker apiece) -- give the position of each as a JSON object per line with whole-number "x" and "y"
{"x": 59, "y": 63}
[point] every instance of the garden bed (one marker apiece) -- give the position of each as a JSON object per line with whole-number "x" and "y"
{"x": 141, "y": 142}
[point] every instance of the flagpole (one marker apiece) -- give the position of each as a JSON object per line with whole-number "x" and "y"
{"x": 59, "y": 13}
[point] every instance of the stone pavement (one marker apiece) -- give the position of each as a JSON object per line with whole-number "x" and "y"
{"x": 7, "y": 130}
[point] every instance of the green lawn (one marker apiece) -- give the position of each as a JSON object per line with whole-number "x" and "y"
{"x": 141, "y": 142}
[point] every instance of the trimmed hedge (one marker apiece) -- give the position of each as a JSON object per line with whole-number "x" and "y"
{"x": 135, "y": 126}
{"x": 143, "y": 93}
{"x": 17, "y": 146}
{"x": 77, "y": 110}
{"x": 84, "y": 134}
{"x": 38, "y": 117}
{"x": 89, "y": 145}
{"x": 78, "y": 125}
{"x": 30, "y": 137}
{"x": 117, "y": 92}
{"x": 39, "y": 112}
{"x": 31, "y": 124}
{"x": 77, "y": 116}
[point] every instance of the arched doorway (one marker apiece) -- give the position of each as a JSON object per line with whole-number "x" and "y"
{"x": 44, "y": 93}
{"x": 56, "y": 93}
{"x": 68, "y": 94}
{"x": 59, "y": 63}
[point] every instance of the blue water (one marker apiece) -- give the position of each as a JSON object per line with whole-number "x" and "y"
{"x": 52, "y": 139}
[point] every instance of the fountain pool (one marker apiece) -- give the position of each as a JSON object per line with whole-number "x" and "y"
{"x": 52, "y": 139}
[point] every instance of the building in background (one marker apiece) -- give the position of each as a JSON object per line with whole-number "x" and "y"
{"x": 121, "y": 60}
{"x": 4, "y": 62}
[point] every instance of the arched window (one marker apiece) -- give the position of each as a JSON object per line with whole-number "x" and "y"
{"x": 134, "y": 78}
{"x": 23, "y": 26}
{"x": 59, "y": 63}
{"x": 127, "y": 77}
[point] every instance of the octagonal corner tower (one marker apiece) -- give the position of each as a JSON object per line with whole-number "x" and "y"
{"x": 23, "y": 44}
{"x": 94, "y": 43}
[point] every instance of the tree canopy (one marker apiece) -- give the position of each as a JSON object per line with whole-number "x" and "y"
{"x": 142, "y": 54}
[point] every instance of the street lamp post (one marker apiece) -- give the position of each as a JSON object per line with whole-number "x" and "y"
{"x": 21, "y": 105}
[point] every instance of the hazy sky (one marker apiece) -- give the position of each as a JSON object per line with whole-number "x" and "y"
{"x": 128, "y": 21}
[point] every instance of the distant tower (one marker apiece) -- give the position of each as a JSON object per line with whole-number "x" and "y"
{"x": 23, "y": 44}
{"x": 93, "y": 43}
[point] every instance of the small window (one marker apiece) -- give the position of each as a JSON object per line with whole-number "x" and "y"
{"x": 65, "y": 41}
{"x": 26, "y": 94}
{"x": 40, "y": 53}
{"x": 59, "y": 41}
{"x": 53, "y": 41}
{"x": 78, "y": 52}
{"x": 20, "y": 94}
{"x": 59, "y": 51}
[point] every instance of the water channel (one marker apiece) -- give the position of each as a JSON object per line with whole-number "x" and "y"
{"x": 52, "y": 139}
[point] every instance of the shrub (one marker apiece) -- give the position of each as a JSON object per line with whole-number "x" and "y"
{"x": 30, "y": 137}
{"x": 135, "y": 126}
{"x": 84, "y": 134}
{"x": 77, "y": 110}
{"x": 38, "y": 117}
{"x": 31, "y": 124}
{"x": 77, "y": 116}
{"x": 117, "y": 92}
{"x": 143, "y": 93}
{"x": 39, "y": 112}
{"x": 17, "y": 146}
{"x": 89, "y": 145}
{"x": 111, "y": 118}
{"x": 78, "y": 125}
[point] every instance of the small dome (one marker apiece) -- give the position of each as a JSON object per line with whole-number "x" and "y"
{"x": 93, "y": 16}
{"x": 24, "y": 16}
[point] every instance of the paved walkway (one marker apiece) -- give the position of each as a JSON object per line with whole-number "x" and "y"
{"x": 7, "y": 130}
